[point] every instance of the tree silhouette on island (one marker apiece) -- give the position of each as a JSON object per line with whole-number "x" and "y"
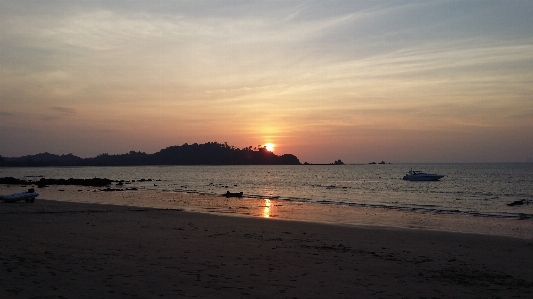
{"x": 211, "y": 153}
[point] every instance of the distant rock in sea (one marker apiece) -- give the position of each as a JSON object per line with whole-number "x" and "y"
{"x": 382, "y": 162}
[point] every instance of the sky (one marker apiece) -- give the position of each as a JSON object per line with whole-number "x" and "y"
{"x": 361, "y": 81}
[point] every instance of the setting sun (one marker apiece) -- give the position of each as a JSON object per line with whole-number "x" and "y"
{"x": 269, "y": 147}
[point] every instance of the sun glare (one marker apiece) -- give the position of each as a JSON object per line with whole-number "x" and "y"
{"x": 269, "y": 147}
{"x": 266, "y": 209}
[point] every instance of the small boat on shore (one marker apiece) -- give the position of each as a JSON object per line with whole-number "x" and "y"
{"x": 28, "y": 196}
{"x": 229, "y": 194}
{"x": 417, "y": 175}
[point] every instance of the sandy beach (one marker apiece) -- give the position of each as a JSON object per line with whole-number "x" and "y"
{"x": 286, "y": 210}
{"x": 58, "y": 249}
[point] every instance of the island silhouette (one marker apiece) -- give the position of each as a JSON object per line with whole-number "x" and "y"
{"x": 210, "y": 153}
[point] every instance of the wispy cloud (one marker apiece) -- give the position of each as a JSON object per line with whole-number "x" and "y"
{"x": 242, "y": 66}
{"x": 6, "y": 114}
{"x": 58, "y": 113}
{"x": 64, "y": 111}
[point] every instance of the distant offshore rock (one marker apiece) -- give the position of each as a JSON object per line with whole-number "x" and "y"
{"x": 382, "y": 162}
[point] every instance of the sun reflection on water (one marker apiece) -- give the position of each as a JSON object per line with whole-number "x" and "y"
{"x": 266, "y": 209}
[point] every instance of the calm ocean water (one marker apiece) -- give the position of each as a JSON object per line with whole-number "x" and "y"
{"x": 477, "y": 189}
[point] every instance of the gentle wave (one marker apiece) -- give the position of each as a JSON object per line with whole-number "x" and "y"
{"x": 484, "y": 190}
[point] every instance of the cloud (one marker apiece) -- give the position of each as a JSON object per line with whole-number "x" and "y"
{"x": 233, "y": 66}
{"x": 58, "y": 113}
{"x": 6, "y": 114}
{"x": 64, "y": 111}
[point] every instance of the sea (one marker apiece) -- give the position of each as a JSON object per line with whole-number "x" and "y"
{"x": 488, "y": 190}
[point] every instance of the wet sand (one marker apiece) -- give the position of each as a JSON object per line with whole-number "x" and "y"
{"x": 58, "y": 249}
{"x": 286, "y": 210}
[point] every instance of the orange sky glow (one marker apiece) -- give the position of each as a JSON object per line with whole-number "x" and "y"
{"x": 360, "y": 81}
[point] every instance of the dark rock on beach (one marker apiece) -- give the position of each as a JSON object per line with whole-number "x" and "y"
{"x": 518, "y": 203}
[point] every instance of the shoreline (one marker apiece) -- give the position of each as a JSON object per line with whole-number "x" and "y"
{"x": 86, "y": 250}
{"x": 292, "y": 211}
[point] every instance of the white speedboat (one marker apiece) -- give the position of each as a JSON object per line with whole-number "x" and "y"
{"x": 417, "y": 175}
{"x": 28, "y": 196}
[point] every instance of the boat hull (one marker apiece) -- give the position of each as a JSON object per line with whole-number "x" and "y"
{"x": 27, "y": 196}
{"x": 418, "y": 177}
